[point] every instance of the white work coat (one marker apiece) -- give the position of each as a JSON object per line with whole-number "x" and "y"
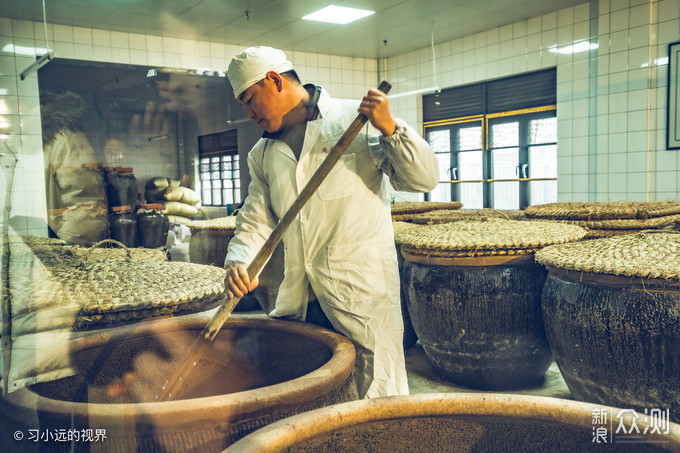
{"x": 342, "y": 242}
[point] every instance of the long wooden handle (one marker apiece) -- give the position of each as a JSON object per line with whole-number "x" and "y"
{"x": 215, "y": 324}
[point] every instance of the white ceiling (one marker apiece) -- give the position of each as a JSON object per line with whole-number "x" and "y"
{"x": 405, "y": 25}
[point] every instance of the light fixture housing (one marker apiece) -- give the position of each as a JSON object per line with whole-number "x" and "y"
{"x": 338, "y": 15}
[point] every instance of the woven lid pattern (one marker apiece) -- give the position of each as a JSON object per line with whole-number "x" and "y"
{"x": 647, "y": 254}
{"x": 399, "y": 229}
{"x": 55, "y": 253}
{"x": 219, "y": 223}
{"x": 447, "y": 215}
{"x": 95, "y": 289}
{"x": 412, "y": 207}
{"x": 627, "y": 224}
{"x": 603, "y": 210}
{"x": 487, "y": 237}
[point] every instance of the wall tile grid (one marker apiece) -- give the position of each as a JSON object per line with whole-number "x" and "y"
{"x": 343, "y": 77}
{"x": 611, "y": 102}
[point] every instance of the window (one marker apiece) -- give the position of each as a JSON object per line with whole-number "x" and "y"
{"x": 490, "y": 157}
{"x": 219, "y": 170}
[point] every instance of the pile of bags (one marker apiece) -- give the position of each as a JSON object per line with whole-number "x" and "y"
{"x": 181, "y": 204}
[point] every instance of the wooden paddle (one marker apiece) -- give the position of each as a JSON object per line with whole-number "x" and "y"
{"x": 173, "y": 384}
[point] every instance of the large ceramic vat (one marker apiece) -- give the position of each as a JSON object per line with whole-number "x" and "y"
{"x": 257, "y": 370}
{"x": 474, "y": 295}
{"x": 453, "y": 422}
{"x": 611, "y": 309}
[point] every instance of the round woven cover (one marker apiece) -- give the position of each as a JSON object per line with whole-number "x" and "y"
{"x": 593, "y": 234}
{"x": 603, "y": 210}
{"x": 402, "y": 210}
{"x": 136, "y": 254}
{"x": 60, "y": 254}
{"x": 648, "y": 254}
{"x": 220, "y": 223}
{"x": 626, "y": 224}
{"x": 106, "y": 290}
{"x": 400, "y": 228}
{"x": 448, "y": 215}
{"x": 487, "y": 237}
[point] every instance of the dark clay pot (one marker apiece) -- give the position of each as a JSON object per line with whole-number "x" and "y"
{"x": 256, "y": 370}
{"x": 616, "y": 339}
{"x": 410, "y": 336}
{"x": 452, "y": 422}
{"x": 480, "y": 323}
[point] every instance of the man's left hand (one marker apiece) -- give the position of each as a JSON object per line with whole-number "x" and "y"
{"x": 376, "y": 107}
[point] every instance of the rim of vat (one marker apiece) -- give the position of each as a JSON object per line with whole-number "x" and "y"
{"x": 288, "y": 432}
{"x": 232, "y": 407}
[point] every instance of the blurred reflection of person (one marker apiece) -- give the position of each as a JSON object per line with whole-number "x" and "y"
{"x": 76, "y": 200}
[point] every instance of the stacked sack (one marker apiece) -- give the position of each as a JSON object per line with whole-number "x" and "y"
{"x": 180, "y": 203}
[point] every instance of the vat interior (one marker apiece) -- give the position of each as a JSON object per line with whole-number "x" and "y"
{"x": 463, "y": 432}
{"x": 134, "y": 369}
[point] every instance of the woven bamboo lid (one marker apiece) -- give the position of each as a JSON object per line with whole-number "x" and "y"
{"x": 486, "y": 237}
{"x": 446, "y": 215}
{"x": 402, "y": 210}
{"x": 220, "y": 223}
{"x": 103, "y": 290}
{"x": 400, "y": 228}
{"x": 52, "y": 252}
{"x": 603, "y": 210}
{"x": 626, "y": 224}
{"x": 648, "y": 254}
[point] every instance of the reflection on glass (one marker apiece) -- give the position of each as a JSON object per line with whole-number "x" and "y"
{"x": 471, "y": 168}
{"x": 471, "y": 165}
{"x": 440, "y": 141}
{"x": 441, "y": 193}
{"x": 470, "y": 138}
{"x": 471, "y": 195}
{"x": 504, "y": 134}
{"x": 543, "y": 164}
{"x": 543, "y": 161}
{"x": 506, "y": 195}
{"x": 444, "y": 166}
{"x": 505, "y": 162}
{"x": 543, "y": 130}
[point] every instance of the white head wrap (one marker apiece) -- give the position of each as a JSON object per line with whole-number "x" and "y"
{"x": 252, "y": 65}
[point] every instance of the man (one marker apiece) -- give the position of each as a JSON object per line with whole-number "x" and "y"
{"x": 340, "y": 250}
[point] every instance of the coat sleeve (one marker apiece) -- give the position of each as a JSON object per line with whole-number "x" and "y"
{"x": 255, "y": 220}
{"x": 407, "y": 159}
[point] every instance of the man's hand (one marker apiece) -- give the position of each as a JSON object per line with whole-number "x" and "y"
{"x": 237, "y": 283}
{"x": 376, "y": 108}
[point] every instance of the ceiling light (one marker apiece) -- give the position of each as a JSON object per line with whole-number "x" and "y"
{"x": 338, "y": 14}
{"x": 582, "y": 46}
{"x": 412, "y": 92}
{"x": 658, "y": 62}
{"x": 24, "y": 50}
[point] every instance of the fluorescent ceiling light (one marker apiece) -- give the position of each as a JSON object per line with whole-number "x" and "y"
{"x": 338, "y": 14}
{"x": 658, "y": 62}
{"x": 412, "y": 92}
{"x": 581, "y": 46}
{"x": 24, "y": 50}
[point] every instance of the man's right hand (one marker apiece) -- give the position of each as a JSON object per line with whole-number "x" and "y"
{"x": 237, "y": 283}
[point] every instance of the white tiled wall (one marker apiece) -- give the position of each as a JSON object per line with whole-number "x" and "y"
{"x": 611, "y": 107}
{"x": 20, "y": 127}
{"x": 611, "y": 103}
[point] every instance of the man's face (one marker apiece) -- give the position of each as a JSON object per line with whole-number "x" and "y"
{"x": 261, "y": 103}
